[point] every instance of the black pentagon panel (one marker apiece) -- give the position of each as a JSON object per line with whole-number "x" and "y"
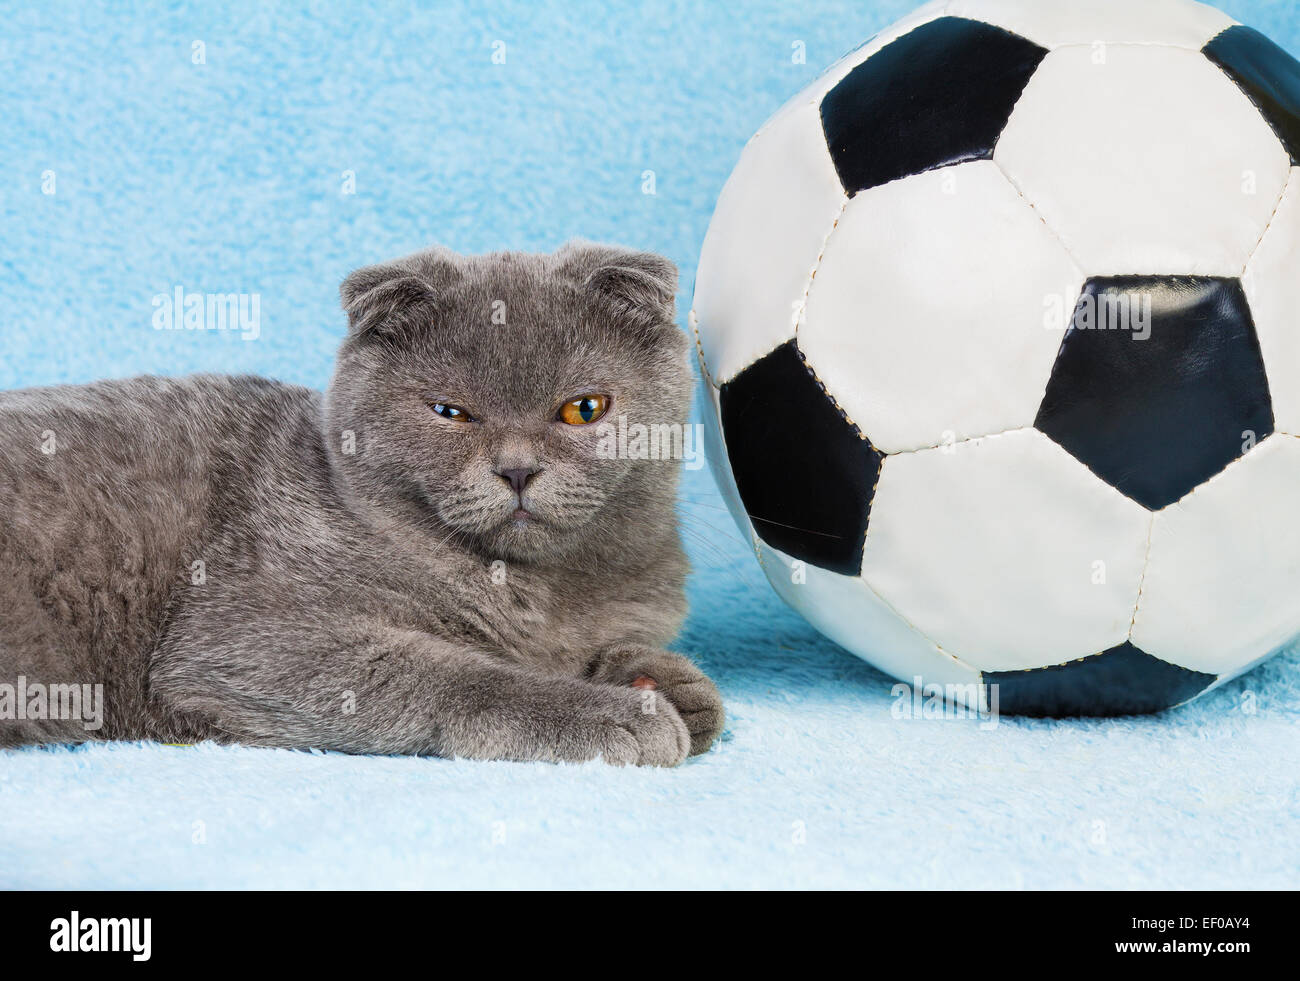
{"x": 1121, "y": 681}
{"x": 1159, "y": 384}
{"x": 1268, "y": 75}
{"x": 805, "y": 474}
{"x": 938, "y": 96}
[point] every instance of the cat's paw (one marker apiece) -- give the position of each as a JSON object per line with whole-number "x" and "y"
{"x": 689, "y": 690}
{"x": 642, "y": 729}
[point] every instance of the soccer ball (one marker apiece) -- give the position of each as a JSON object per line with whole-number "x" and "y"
{"x": 999, "y": 322}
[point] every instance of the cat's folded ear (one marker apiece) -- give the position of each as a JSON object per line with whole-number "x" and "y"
{"x": 381, "y": 299}
{"x": 640, "y": 280}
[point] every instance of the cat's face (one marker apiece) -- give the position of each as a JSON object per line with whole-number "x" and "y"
{"x": 482, "y": 392}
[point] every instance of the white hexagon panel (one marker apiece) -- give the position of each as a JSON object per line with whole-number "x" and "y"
{"x": 844, "y": 607}
{"x": 968, "y": 350}
{"x": 1175, "y": 23}
{"x": 1224, "y": 569}
{"x": 1272, "y": 284}
{"x": 1000, "y": 319}
{"x": 754, "y": 273}
{"x": 1006, "y": 551}
{"x": 1147, "y": 201}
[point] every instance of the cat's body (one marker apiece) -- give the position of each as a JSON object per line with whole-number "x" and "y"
{"x": 235, "y": 558}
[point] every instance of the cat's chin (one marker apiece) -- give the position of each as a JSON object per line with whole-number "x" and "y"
{"x": 535, "y": 539}
{"x": 521, "y": 535}
{"x": 523, "y": 545}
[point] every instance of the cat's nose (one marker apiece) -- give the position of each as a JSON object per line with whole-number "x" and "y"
{"x": 518, "y": 478}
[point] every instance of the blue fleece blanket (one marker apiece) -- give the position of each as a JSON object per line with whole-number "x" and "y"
{"x": 242, "y": 148}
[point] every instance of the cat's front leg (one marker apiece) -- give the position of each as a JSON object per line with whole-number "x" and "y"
{"x": 403, "y": 692}
{"x": 501, "y": 713}
{"x": 690, "y": 691}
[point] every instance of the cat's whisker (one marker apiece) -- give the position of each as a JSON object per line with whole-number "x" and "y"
{"x": 732, "y": 564}
{"x": 729, "y": 532}
{"x": 706, "y": 504}
{"x": 723, "y": 560}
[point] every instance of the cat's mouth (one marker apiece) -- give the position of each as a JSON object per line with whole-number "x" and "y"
{"x": 524, "y": 516}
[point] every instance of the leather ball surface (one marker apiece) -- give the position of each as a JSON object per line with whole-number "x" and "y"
{"x": 999, "y": 321}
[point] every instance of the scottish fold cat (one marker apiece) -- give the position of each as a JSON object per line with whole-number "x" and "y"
{"x": 432, "y": 557}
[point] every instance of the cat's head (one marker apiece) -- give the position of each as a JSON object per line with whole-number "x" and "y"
{"x": 482, "y": 392}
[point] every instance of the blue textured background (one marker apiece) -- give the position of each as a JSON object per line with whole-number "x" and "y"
{"x": 227, "y": 177}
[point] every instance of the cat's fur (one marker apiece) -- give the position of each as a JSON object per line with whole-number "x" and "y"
{"x": 239, "y": 559}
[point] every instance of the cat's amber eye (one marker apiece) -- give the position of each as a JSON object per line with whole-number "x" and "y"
{"x": 453, "y": 412}
{"x": 583, "y": 410}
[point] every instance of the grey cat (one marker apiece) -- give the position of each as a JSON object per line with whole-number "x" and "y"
{"x": 432, "y": 558}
